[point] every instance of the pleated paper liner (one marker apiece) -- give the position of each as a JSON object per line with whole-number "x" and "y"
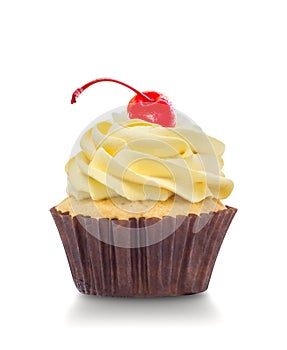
{"x": 144, "y": 257}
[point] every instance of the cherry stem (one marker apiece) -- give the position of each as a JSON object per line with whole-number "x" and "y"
{"x": 78, "y": 92}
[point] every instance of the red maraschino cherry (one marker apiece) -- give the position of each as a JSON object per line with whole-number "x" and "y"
{"x": 150, "y": 106}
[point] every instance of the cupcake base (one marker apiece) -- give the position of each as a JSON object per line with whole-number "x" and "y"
{"x": 179, "y": 264}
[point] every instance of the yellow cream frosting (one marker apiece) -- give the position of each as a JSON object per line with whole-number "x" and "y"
{"x": 139, "y": 161}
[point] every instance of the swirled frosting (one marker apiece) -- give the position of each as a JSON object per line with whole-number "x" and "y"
{"x": 138, "y": 160}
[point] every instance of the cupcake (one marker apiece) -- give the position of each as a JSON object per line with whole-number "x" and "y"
{"x": 144, "y": 215}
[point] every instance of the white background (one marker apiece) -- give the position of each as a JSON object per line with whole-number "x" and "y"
{"x": 221, "y": 62}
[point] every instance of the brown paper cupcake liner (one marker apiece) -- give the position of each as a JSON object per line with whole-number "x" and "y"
{"x": 178, "y": 263}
